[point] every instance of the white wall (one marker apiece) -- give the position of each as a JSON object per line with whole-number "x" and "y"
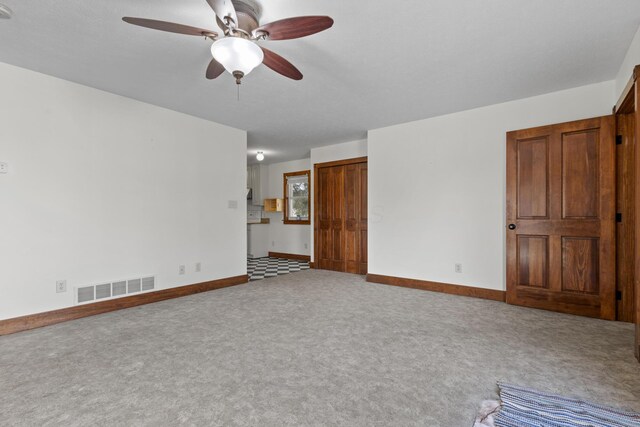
{"x": 332, "y": 153}
{"x": 286, "y": 238}
{"x": 437, "y": 186}
{"x": 102, "y": 187}
{"x": 631, "y": 59}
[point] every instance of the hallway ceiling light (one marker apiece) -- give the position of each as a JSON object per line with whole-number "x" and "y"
{"x": 260, "y": 156}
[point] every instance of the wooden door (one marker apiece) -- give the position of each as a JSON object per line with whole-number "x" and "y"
{"x": 355, "y": 191}
{"x": 329, "y": 219}
{"x": 352, "y": 219}
{"x": 341, "y": 216}
{"x": 363, "y": 218}
{"x": 337, "y": 211}
{"x": 561, "y": 217}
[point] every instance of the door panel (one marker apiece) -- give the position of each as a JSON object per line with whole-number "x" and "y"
{"x": 580, "y": 265}
{"x": 533, "y": 253}
{"x": 560, "y": 207}
{"x": 580, "y": 169}
{"x": 533, "y": 173}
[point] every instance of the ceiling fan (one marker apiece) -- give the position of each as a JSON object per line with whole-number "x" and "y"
{"x": 237, "y": 51}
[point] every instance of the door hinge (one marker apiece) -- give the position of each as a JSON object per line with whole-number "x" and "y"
{"x": 618, "y": 217}
{"x": 618, "y": 139}
{"x": 618, "y": 295}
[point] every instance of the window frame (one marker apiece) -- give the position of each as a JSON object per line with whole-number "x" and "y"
{"x": 286, "y": 219}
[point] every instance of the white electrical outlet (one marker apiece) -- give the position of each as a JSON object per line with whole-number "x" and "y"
{"x": 182, "y": 269}
{"x": 4, "y": 167}
{"x": 198, "y": 267}
{"x": 273, "y": 243}
{"x": 458, "y": 268}
{"x": 306, "y": 246}
{"x": 232, "y": 204}
{"x": 61, "y": 286}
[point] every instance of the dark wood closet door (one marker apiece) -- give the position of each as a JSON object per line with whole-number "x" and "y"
{"x": 352, "y": 219}
{"x": 338, "y": 240}
{"x": 330, "y": 218}
{"x": 355, "y": 191}
{"x": 560, "y": 216}
{"x": 363, "y": 217}
{"x": 341, "y": 217}
{"x": 324, "y": 208}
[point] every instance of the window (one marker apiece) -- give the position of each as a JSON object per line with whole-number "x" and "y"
{"x": 296, "y": 197}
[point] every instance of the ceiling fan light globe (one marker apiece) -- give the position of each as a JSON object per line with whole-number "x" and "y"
{"x": 237, "y": 54}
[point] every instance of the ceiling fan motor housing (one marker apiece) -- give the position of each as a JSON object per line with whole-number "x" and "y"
{"x": 248, "y": 12}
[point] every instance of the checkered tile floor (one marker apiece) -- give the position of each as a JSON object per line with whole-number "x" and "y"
{"x": 261, "y": 268}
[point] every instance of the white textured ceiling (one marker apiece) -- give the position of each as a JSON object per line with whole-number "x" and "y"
{"x": 384, "y": 62}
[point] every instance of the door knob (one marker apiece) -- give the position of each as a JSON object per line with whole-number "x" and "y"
{"x": 512, "y": 226}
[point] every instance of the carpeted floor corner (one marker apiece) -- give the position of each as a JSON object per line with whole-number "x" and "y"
{"x": 309, "y": 348}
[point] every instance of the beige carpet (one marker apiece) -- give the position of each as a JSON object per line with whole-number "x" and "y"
{"x": 310, "y": 348}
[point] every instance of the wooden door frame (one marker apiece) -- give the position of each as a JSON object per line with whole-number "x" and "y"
{"x": 628, "y": 103}
{"x": 316, "y": 196}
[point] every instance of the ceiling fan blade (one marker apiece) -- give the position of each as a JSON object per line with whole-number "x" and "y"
{"x": 224, "y": 8}
{"x": 170, "y": 27}
{"x": 293, "y": 28}
{"x": 280, "y": 65}
{"x": 214, "y": 69}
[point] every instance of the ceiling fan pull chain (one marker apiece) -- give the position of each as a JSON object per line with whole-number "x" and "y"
{"x": 238, "y": 92}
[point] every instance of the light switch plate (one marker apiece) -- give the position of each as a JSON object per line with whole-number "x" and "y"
{"x": 4, "y": 167}
{"x": 233, "y": 204}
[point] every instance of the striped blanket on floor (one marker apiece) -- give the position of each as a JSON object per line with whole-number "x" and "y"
{"x": 523, "y": 407}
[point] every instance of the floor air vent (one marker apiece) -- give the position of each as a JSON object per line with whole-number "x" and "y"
{"x": 116, "y": 289}
{"x": 103, "y": 291}
{"x": 133, "y": 286}
{"x": 148, "y": 283}
{"x": 119, "y": 288}
{"x": 85, "y": 294}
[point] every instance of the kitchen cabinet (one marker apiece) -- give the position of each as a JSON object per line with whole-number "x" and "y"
{"x": 257, "y": 181}
{"x": 273, "y": 205}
